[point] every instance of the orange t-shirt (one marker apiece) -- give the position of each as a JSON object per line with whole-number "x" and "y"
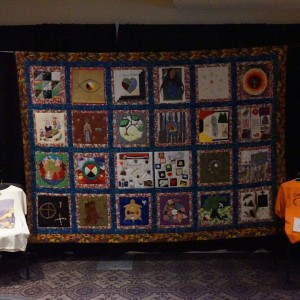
{"x": 287, "y": 207}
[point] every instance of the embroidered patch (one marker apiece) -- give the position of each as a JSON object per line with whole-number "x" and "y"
{"x": 53, "y": 211}
{"x": 171, "y": 84}
{"x": 52, "y": 169}
{"x": 214, "y": 125}
{"x": 254, "y": 164}
{"x": 91, "y": 170}
{"x": 172, "y": 127}
{"x": 254, "y": 80}
{"x": 47, "y": 84}
{"x": 134, "y": 170}
{"x": 172, "y": 169}
{"x": 134, "y": 211}
{"x": 213, "y": 82}
{"x": 90, "y": 129}
{"x": 129, "y": 85}
{"x": 93, "y": 211}
{"x": 254, "y": 122}
{"x": 215, "y": 208}
{"x": 255, "y": 204}
{"x": 7, "y": 214}
{"x": 174, "y": 210}
{"x": 88, "y": 86}
{"x": 215, "y": 167}
{"x": 131, "y": 128}
{"x": 50, "y": 128}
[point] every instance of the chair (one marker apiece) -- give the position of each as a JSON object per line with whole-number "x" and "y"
{"x": 14, "y": 231}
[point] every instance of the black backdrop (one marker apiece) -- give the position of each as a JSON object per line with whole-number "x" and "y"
{"x": 106, "y": 38}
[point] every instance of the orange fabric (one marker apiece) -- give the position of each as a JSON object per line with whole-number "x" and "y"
{"x": 287, "y": 207}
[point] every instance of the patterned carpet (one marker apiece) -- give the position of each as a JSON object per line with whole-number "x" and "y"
{"x": 151, "y": 276}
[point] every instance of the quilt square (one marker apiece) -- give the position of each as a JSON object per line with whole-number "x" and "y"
{"x": 47, "y": 84}
{"x": 213, "y": 82}
{"x": 254, "y": 122}
{"x": 255, "y": 204}
{"x": 215, "y": 208}
{"x": 50, "y": 128}
{"x": 214, "y": 125}
{"x": 254, "y": 80}
{"x": 93, "y": 211}
{"x": 172, "y": 127}
{"x": 88, "y": 86}
{"x": 171, "y": 84}
{"x": 53, "y": 210}
{"x": 134, "y": 211}
{"x": 129, "y": 85}
{"x": 255, "y": 164}
{"x": 90, "y": 129}
{"x": 131, "y": 128}
{"x": 91, "y": 170}
{"x": 7, "y": 214}
{"x": 214, "y": 167}
{"x": 133, "y": 170}
{"x": 52, "y": 169}
{"x": 172, "y": 169}
{"x": 174, "y": 210}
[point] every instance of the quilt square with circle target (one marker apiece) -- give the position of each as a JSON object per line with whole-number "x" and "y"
{"x": 214, "y": 167}
{"x": 134, "y": 170}
{"x": 215, "y": 208}
{"x": 53, "y": 210}
{"x": 88, "y": 85}
{"x": 214, "y": 125}
{"x": 50, "y": 128}
{"x": 52, "y": 169}
{"x": 134, "y": 211}
{"x": 254, "y": 164}
{"x": 91, "y": 170}
{"x": 47, "y": 84}
{"x": 213, "y": 82}
{"x": 254, "y": 80}
{"x": 255, "y": 204}
{"x": 129, "y": 85}
{"x": 131, "y": 128}
{"x": 93, "y": 211}
{"x": 171, "y": 84}
{"x": 90, "y": 129}
{"x": 174, "y": 210}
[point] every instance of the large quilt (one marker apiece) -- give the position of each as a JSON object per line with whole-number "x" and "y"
{"x": 152, "y": 147}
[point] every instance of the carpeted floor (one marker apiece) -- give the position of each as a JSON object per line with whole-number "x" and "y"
{"x": 151, "y": 276}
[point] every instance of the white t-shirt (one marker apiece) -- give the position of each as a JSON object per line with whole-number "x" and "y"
{"x": 14, "y": 231}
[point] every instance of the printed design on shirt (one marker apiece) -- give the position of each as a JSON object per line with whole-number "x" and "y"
{"x": 7, "y": 214}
